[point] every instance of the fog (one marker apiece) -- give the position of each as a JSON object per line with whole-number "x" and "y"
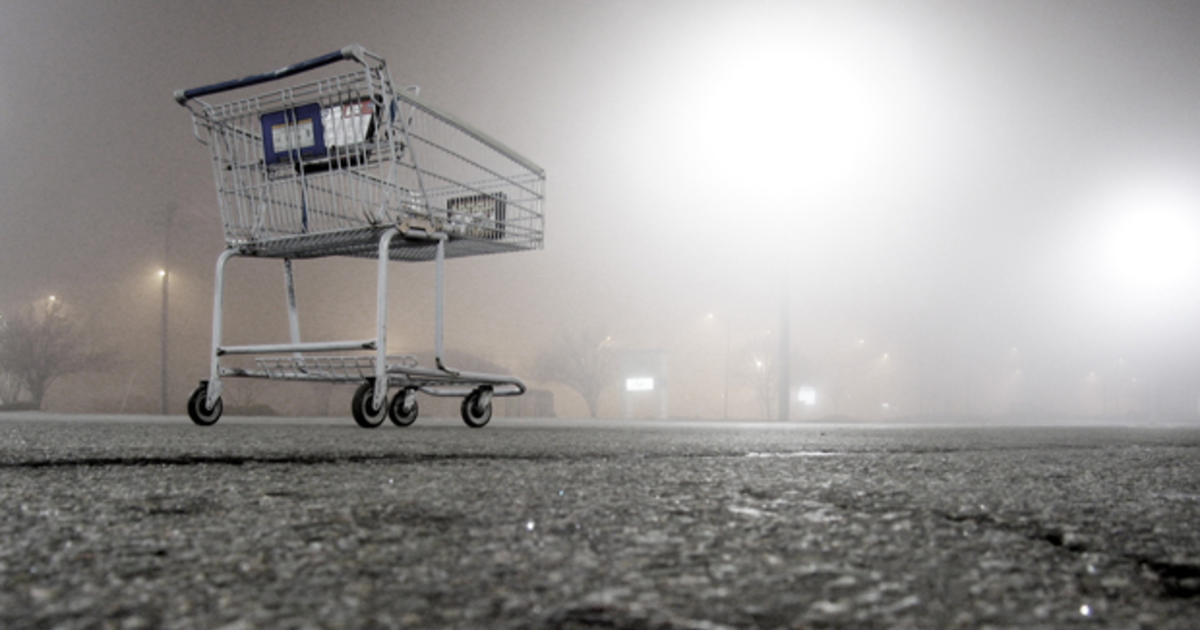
{"x": 963, "y": 209}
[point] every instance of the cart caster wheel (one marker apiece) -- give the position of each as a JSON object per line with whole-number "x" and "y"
{"x": 362, "y": 407}
{"x": 198, "y": 409}
{"x": 400, "y": 416}
{"x": 475, "y": 412}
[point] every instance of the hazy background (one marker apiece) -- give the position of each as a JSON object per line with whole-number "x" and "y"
{"x": 975, "y": 207}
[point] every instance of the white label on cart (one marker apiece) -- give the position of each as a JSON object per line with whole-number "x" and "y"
{"x": 292, "y": 137}
{"x": 346, "y": 124}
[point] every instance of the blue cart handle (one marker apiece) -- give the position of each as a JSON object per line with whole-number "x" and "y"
{"x": 352, "y": 52}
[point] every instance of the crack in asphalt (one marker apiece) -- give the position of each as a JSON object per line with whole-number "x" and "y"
{"x": 134, "y": 461}
{"x": 387, "y": 458}
{"x": 419, "y": 458}
{"x": 1179, "y": 580}
{"x": 1175, "y": 579}
{"x": 242, "y": 460}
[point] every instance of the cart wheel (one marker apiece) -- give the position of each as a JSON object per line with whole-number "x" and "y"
{"x": 198, "y": 410}
{"x": 400, "y": 416}
{"x": 363, "y": 409}
{"x": 474, "y": 413}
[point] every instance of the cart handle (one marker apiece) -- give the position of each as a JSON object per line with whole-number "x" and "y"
{"x": 353, "y": 52}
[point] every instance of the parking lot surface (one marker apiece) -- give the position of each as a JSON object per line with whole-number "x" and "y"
{"x": 155, "y": 523}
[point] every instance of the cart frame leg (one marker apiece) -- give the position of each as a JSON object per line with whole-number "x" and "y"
{"x": 293, "y": 314}
{"x": 381, "y": 312}
{"x": 439, "y": 300}
{"x": 214, "y": 373}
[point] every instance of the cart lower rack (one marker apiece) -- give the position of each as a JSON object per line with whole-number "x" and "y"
{"x": 347, "y": 165}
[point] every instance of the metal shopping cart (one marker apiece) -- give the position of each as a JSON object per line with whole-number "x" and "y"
{"x": 346, "y": 164}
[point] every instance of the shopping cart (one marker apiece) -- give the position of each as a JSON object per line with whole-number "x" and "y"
{"x": 346, "y": 164}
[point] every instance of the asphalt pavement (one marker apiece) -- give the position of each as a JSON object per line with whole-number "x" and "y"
{"x": 110, "y": 522}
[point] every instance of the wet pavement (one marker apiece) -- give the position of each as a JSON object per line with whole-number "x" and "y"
{"x": 569, "y": 524}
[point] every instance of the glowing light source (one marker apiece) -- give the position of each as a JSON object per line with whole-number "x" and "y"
{"x": 806, "y": 395}
{"x": 781, "y": 111}
{"x": 1153, "y": 248}
{"x": 813, "y": 109}
{"x": 162, "y": 273}
{"x": 1151, "y": 241}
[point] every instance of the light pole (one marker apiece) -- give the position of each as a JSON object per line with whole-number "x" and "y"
{"x": 785, "y": 348}
{"x": 725, "y": 395}
{"x": 162, "y": 392}
{"x": 163, "y": 273}
{"x": 725, "y": 384}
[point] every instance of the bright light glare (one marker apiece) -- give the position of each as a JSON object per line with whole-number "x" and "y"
{"x": 806, "y": 395}
{"x": 162, "y": 273}
{"x": 1156, "y": 248}
{"x": 768, "y": 107}
{"x": 779, "y": 112}
{"x": 1151, "y": 245}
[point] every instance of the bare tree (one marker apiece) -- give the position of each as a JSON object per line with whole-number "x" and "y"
{"x": 764, "y": 376}
{"x": 43, "y": 343}
{"x": 10, "y": 388}
{"x": 755, "y": 366}
{"x": 581, "y": 360}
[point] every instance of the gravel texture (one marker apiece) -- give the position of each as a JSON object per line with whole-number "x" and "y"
{"x": 115, "y": 524}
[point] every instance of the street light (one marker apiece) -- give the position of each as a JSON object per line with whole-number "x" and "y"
{"x": 712, "y": 317}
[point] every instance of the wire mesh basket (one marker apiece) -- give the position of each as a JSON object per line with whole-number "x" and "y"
{"x": 316, "y": 169}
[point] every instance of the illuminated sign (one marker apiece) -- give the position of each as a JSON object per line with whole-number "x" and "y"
{"x": 639, "y": 384}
